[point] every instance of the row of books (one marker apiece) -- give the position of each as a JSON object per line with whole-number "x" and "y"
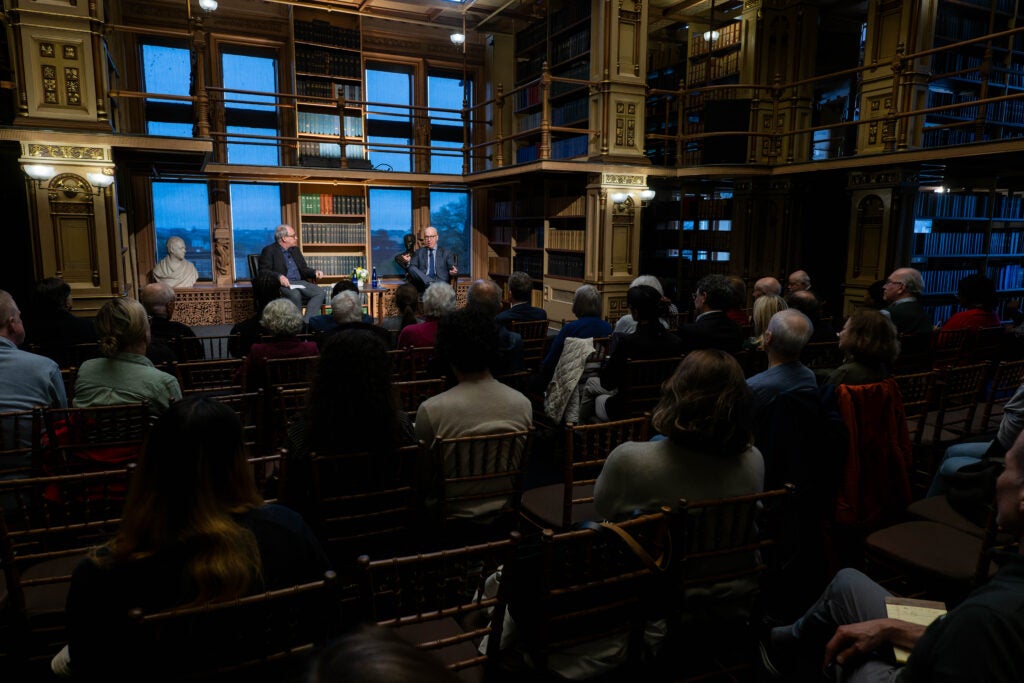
{"x": 531, "y": 264}
{"x": 575, "y": 205}
{"x": 532, "y": 35}
{"x": 318, "y": 31}
{"x": 336, "y": 265}
{"x": 351, "y": 92}
{"x": 728, "y": 35}
{"x": 533, "y": 206}
{"x": 577, "y": 70}
{"x": 529, "y": 121}
{"x": 530, "y": 238}
{"x": 1007, "y": 277}
{"x": 501, "y": 234}
{"x": 566, "y": 265}
{"x": 714, "y": 69}
{"x": 333, "y": 233}
{"x": 329, "y": 124}
{"x": 530, "y": 69}
{"x": 567, "y": 148}
{"x": 566, "y": 239}
{"x": 527, "y": 153}
{"x": 945, "y": 281}
{"x": 945, "y": 137}
{"x": 571, "y": 46}
{"x": 957, "y": 205}
{"x": 498, "y": 264}
{"x": 347, "y": 204}
{"x": 959, "y": 26}
{"x": 327, "y": 154}
{"x": 569, "y": 14}
{"x": 942, "y": 243}
{"x": 316, "y": 60}
{"x": 1006, "y": 243}
{"x": 528, "y": 97}
{"x": 570, "y": 112}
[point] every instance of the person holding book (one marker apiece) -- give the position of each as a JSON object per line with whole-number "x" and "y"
{"x": 979, "y": 640}
{"x": 284, "y": 260}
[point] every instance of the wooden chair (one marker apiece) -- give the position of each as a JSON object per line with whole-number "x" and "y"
{"x": 535, "y": 339}
{"x": 398, "y": 358}
{"x": 521, "y": 381}
{"x": 950, "y": 347}
{"x": 641, "y": 385}
{"x": 210, "y": 376}
{"x": 363, "y": 502}
{"x": 918, "y": 393}
{"x": 590, "y": 585}
{"x": 477, "y": 479}
{"x": 291, "y": 371}
{"x": 266, "y": 636}
{"x": 20, "y": 441}
{"x": 47, "y": 526}
{"x": 414, "y": 392}
{"x": 287, "y": 405}
{"x": 219, "y": 346}
{"x": 96, "y": 438}
{"x": 1008, "y": 376}
{"x": 822, "y": 355}
{"x": 249, "y": 408}
{"x": 69, "y": 376}
{"x": 988, "y": 344}
{"x": 959, "y": 390}
{"x": 559, "y": 506}
{"x": 189, "y": 348}
{"x": 915, "y": 354}
{"x": 441, "y": 601}
{"x": 417, "y": 362}
{"x": 70, "y": 356}
{"x": 265, "y": 470}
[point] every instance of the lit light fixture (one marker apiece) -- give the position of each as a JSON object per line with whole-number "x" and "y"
{"x": 103, "y": 178}
{"x": 458, "y": 38}
{"x": 619, "y": 197}
{"x": 646, "y": 195}
{"x": 710, "y": 36}
{"x": 940, "y": 189}
{"x": 208, "y": 5}
{"x": 39, "y": 172}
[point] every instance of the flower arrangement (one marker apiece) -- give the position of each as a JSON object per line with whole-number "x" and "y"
{"x": 362, "y": 276}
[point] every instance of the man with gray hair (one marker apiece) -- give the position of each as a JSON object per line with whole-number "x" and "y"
{"x": 347, "y": 311}
{"x": 484, "y": 296}
{"x": 798, "y": 281}
{"x": 586, "y": 306}
{"x": 284, "y": 260}
{"x": 784, "y": 340}
{"x": 712, "y": 329}
{"x": 900, "y": 291}
{"x": 438, "y": 301}
{"x": 158, "y": 299}
{"x": 767, "y": 286}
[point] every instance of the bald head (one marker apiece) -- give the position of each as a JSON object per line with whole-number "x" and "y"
{"x": 798, "y": 281}
{"x": 767, "y": 286}
{"x": 158, "y": 299}
{"x": 484, "y": 296}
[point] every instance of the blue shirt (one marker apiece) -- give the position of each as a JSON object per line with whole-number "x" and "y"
{"x": 28, "y": 380}
{"x": 292, "y": 271}
{"x": 768, "y": 384}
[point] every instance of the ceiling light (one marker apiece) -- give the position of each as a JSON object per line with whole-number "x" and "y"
{"x": 208, "y": 5}
{"x": 711, "y": 35}
{"x": 458, "y": 38}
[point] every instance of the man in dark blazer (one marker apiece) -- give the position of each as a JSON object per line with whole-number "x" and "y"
{"x": 712, "y": 329}
{"x": 900, "y": 291}
{"x": 284, "y": 261}
{"x": 520, "y": 291}
{"x": 431, "y": 263}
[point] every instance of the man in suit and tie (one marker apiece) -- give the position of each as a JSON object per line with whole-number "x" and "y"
{"x": 712, "y": 329}
{"x": 284, "y": 260}
{"x": 431, "y": 263}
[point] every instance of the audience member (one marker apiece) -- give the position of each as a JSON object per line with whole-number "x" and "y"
{"x": 962, "y": 454}
{"x": 978, "y": 640}
{"x": 874, "y": 297}
{"x": 347, "y": 311}
{"x": 784, "y": 340}
{"x": 737, "y": 310}
{"x": 977, "y": 295}
{"x": 438, "y": 301}
{"x": 807, "y": 303}
{"x": 283, "y": 322}
{"x": 351, "y": 409}
{"x": 520, "y": 294}
{"x": 266, "y": 288}
{"x": 327, "y": 322}
{"x": 871, "y": 345}
{"x": 764, "y": 308}
{"x": 798, "y": 281}
{"x": 767, "y": 286}
{"x": 900, "y": 292}
{"x": 650, "y": 340}
{"x": 194, "y": 531}
{"x": 124, "y": 374}
{"x": 627, "y": 324}
{"x": 485, "y": 296}
{"x": 479, "y": 404}
{"x": 705, "y": 413}
{"x": 50, "y": 323}
{"x": 712, "y": 329}
{"x": 374, "y": 654}
{"x": 407, "y": 301}
{"x": 586, "y": 306}
{"x": 158, "y": 299}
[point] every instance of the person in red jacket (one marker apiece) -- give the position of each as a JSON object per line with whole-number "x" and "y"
{"x": 977, "y": 295}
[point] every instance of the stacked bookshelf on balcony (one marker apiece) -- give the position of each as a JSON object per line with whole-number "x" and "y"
{"x": 333, "y": 233}
{"x": 713, "y": 58}
{"x": 957, "y": 234}
{"x": 329, "y": 86}
{"x": 666, "y": 70}
{"x": 562, "y": 41}
{"x": 963, "y": 75}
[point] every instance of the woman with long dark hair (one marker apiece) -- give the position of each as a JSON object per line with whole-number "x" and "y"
{"x": 194, "y": 531}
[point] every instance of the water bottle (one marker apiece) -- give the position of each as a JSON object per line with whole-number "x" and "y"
{"x": 373, "y": 278}
{"x": 355, "y": 278}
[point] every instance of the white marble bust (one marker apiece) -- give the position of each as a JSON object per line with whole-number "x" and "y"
{"x": 173, "y": 269}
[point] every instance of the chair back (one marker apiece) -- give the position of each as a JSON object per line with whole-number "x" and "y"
{"x": 248, "y": 406}
{"x": 95, "y": 438}
{"x": 69, "y": 376}
{"x": 265, "y": 470}
{"x": 291, "y": 371}
{"x": 479, "y": 476}
{"x": 287, "y": 406}
{"x": 589, "y": 585}
{"x": 443, "y": 601}
{"x": 988, "y": 344}
{"x": 365, "y": 502}
{"x": 417, "y": 362}
{"x": 917, "y": 391}
{"x": 266, "y": 636}
{"x": 20, "y": 440}
{"x": 414, "y": 392}
{"x": 960, "y": 389}
{"x": 535, "y": 340}
{"x": 220, "y": 346}
{"x": 641, "y": 385}
{"x": 253, "y": 260}
{"x": 915, "y": 353}
{"x": 950, "y": 347}
{"x": 822, "y": 355}
{"x": 586, "y": 449}
{"x": 1008, "y": 376}
{"x": 210, "y": 376}
{"x": 67, "y": 356}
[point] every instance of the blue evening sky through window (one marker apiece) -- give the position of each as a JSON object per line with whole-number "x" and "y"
{"x": 165, "y": 70}
{"x": 390, "y": 87}
{"x": 255, "y": 213}
{"x": 390, "y": 220}
{"x": 247, "y": 72}
{"x": 183, "y": 210}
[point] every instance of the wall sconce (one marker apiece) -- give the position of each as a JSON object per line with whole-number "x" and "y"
{"x": 710, "y": 36}
{"x": 70, "y": 184}
{"x": 646, "y": 195}
{"x": 102, "y": 178}
{"x": 39, "y": 172}
{"x": 619, "y": 197}
{"x": 458, "y": 38}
